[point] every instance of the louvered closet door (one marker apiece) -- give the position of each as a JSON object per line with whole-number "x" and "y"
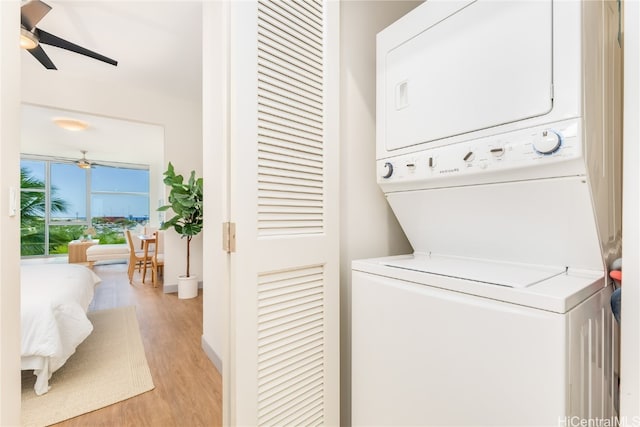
{"x": 284, "y": 199}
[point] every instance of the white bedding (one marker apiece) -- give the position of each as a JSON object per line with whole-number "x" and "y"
{"x": 54, "y": 303}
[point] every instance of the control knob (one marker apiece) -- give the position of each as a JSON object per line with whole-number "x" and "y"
{"x": 388, "y": 168}
{"x": 469, "y": 157}
{"x": 548, "y": 142}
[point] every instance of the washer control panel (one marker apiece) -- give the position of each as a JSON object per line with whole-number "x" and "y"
{"x": 523, "y": 149}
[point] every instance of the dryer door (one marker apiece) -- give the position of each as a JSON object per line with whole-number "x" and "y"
{"x": 484, "y": 65}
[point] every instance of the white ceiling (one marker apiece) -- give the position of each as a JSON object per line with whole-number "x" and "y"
{"x": 157, "y": 43}
{"x": 158, "y": 48}
{"x": 106, "y": 139}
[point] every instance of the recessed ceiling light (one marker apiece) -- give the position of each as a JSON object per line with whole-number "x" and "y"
{"x": 70, "y": 124}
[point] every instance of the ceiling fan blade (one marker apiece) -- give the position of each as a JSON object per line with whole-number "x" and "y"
{"x": 41, "y": 56}
{"x": 32, "y": 12}
{"x": 50, "y": 39}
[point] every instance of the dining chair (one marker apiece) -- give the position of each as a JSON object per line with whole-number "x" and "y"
{"x": 157, "y": 260}
{"x": 136, "y": 257}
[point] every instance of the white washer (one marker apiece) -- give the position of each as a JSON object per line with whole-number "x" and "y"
{"x": 498, "y": 149}
{"x": 432, "y": 348}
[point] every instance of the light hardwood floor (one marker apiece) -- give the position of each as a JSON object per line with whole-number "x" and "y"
{"x": 188, "y": 388}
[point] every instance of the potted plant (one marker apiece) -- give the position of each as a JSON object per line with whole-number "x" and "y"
{"x": 185, "y": 200}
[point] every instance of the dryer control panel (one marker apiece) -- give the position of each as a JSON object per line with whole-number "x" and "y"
{"x": 545, "y": 151}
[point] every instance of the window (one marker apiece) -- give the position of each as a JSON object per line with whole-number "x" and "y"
{"x": 68, "y": 186}
{"x": 119, "y": 200}
{"x": 120, "y": 192}
{"x": 59, "y": 201}
{"x": 32, "y": 207}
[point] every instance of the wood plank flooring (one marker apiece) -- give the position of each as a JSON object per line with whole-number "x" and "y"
{"x": 188, "y": 388}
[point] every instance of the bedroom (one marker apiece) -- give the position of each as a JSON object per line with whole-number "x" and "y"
{"x": 351, "y": 218}
{"x": 167, "y": 102}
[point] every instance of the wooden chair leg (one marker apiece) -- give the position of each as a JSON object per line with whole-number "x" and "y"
{"x": 130, "y": 271}
{"x": 144, "y": 272}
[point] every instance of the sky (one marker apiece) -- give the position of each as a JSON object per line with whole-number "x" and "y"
{"x": 70, "y": 184}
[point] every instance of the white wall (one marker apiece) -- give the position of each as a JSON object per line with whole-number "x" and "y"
{"x": 9, "y": 226}
{"x": 181, "y": 119}
{"x": 368, "y": 228}
{"x": 630, "y": 330}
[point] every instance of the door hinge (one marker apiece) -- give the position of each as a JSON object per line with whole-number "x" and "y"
{"x": 229, "y": 237}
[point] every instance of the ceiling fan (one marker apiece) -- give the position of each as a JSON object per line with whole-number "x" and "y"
{"x": 83, "y": 163}
{"x": 31, "y": 37}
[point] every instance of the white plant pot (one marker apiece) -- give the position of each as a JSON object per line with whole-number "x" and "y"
{"x": 187, "y": 287}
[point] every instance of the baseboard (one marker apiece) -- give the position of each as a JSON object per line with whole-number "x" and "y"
{"x": 173, "y": 289}
{"x": 212, "y": 355}
{"x": 170, "y": 289}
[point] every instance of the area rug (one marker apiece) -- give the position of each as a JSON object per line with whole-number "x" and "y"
{"x": 108, "y": 367}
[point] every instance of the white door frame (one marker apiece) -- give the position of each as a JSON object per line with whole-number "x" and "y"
{"x": 9, "y": 224}
{"x": 630, "y": 312}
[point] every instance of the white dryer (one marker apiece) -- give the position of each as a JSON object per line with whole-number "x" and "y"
{"x": 498, "y": 149}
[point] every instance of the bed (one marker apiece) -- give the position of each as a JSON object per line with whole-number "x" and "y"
{"x": 54, "y": 303}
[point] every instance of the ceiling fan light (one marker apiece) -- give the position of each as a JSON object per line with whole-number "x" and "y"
{"x": 70, "y": 124}
{"x": 28, "y": 40}
{"x": 83, "y": 163}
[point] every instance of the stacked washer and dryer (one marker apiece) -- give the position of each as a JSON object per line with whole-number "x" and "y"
{"x": 499, "y": 151}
